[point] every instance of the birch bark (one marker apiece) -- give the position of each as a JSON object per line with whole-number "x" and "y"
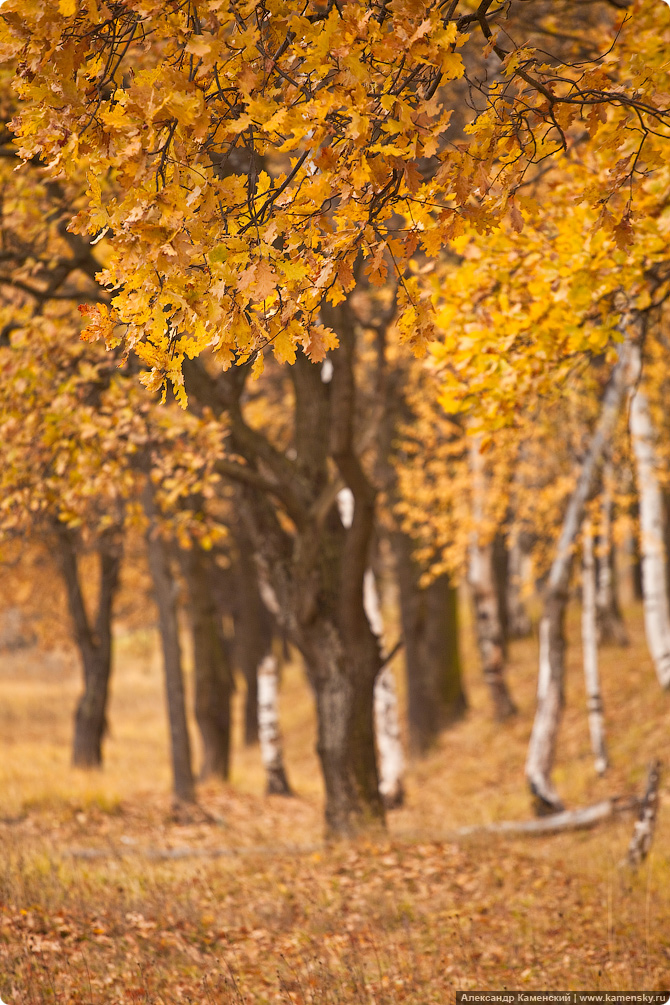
{"x": 387, "y": 720}
{"x": 269, "y": 733}
{"x": 550, "y": 690}
{"x": 652, "y": 542}
{"x": 590, "y": 651}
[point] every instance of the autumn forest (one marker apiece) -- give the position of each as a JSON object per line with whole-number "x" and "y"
{"x": 334, "y": 501}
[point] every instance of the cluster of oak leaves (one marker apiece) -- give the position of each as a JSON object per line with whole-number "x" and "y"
{"x": 505, "y": 274}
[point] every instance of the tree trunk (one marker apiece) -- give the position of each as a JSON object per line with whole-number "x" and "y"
{"x": 500, "y": 564}
{"x": 435, "y": 694}
{"x": 518, "y": 621}
{"x": 652, "y": 535}
{"x": 311, "y": 567}
{"x": 590, "y": 652}
{"x": 608, "y": 615}
{"x": 253, "y": 628}
{"x": 485, "y": 595}
{"x": 212, "y": 674}
{"x": 550, "y": 687}
{"x": 94, "y": 641}
{"x": 387, "y": 718}
{"x": 645, "y": 825}
{"x": 165, "y": 594}
{"x": 346, "y": 735}
{"x": 269, "y": 732}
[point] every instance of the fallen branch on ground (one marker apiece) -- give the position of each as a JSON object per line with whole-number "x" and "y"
{"x": 566, "y": 820}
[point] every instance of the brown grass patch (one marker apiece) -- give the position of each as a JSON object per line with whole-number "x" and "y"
{"x": 411, "y": 917}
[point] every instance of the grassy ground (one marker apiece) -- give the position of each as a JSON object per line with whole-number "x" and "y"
{"x": 90, "y": 913}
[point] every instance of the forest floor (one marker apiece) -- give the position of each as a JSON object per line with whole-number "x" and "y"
{"x": 107, "y": 897}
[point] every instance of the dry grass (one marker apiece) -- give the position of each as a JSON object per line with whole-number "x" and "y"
{"x": 410, "y": 917}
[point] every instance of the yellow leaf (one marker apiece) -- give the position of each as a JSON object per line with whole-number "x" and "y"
{"x": 257, "y": 366}
{"x": 284, "y": 349}
{"x": 68, "y": 8}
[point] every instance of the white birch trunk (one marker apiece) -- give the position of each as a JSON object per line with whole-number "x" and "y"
{"x": 269, "y": 734}
{"x": 590, "y": 652}
{"x": 387, "y": 719}
{"x": 643, "y": 833}
{"x": 485, "y": 597}
{"x": 542, "y": 745}
{"x": 652, "y": 543}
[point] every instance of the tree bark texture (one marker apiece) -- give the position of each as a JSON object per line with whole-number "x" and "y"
{"x": 519, "y": 625}
{"x": 551, "y": 676}
{"x": 652, "y": 531}
{"x": 254, "y": 626}
{"x": 212, "y": 674}
{"x": 611, "y": 628}
{"x": 485, "y": 596}
{"x": 165, "y": 594}
{"x": 387, "y": 717}
{"x": 435, "y": 692}
{"x": 269, "y": 732}
{"x": 309, "y": 566}
{"x": 643, "y": 832}
{"x": 94, "y": 641}
{"x": 590, "y": 652}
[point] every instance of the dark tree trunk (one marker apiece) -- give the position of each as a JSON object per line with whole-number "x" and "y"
{"x": 490, "y": 638}
{"x": 340, "y": 673}
{"x": 501, "y": 579}
{"x": 94, "y": 641}
{"x": 341, "y": 656}
{"x": 212, "y": 673}
{"x": 253, "y": 627}
{"x": 165, "y": 594}
{"x": 452, "y": 689}
{"x": 485, "y": 581}
{"x": 636, "y": 557}
{"x": 519, "y": 625}
{"x": 666, "y": 531}
{"x": 429, "y": 616}
{"x": 309, "y": 566}
{"x": 609, "y": 620}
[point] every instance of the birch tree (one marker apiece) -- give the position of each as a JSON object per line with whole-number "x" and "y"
{"x": 590, "y": 651}
{"x": 387, "y": 719}
{"x": 652, "y": 536}
{"x": 269, "y": 732}
{"x": 551, "y": 676}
